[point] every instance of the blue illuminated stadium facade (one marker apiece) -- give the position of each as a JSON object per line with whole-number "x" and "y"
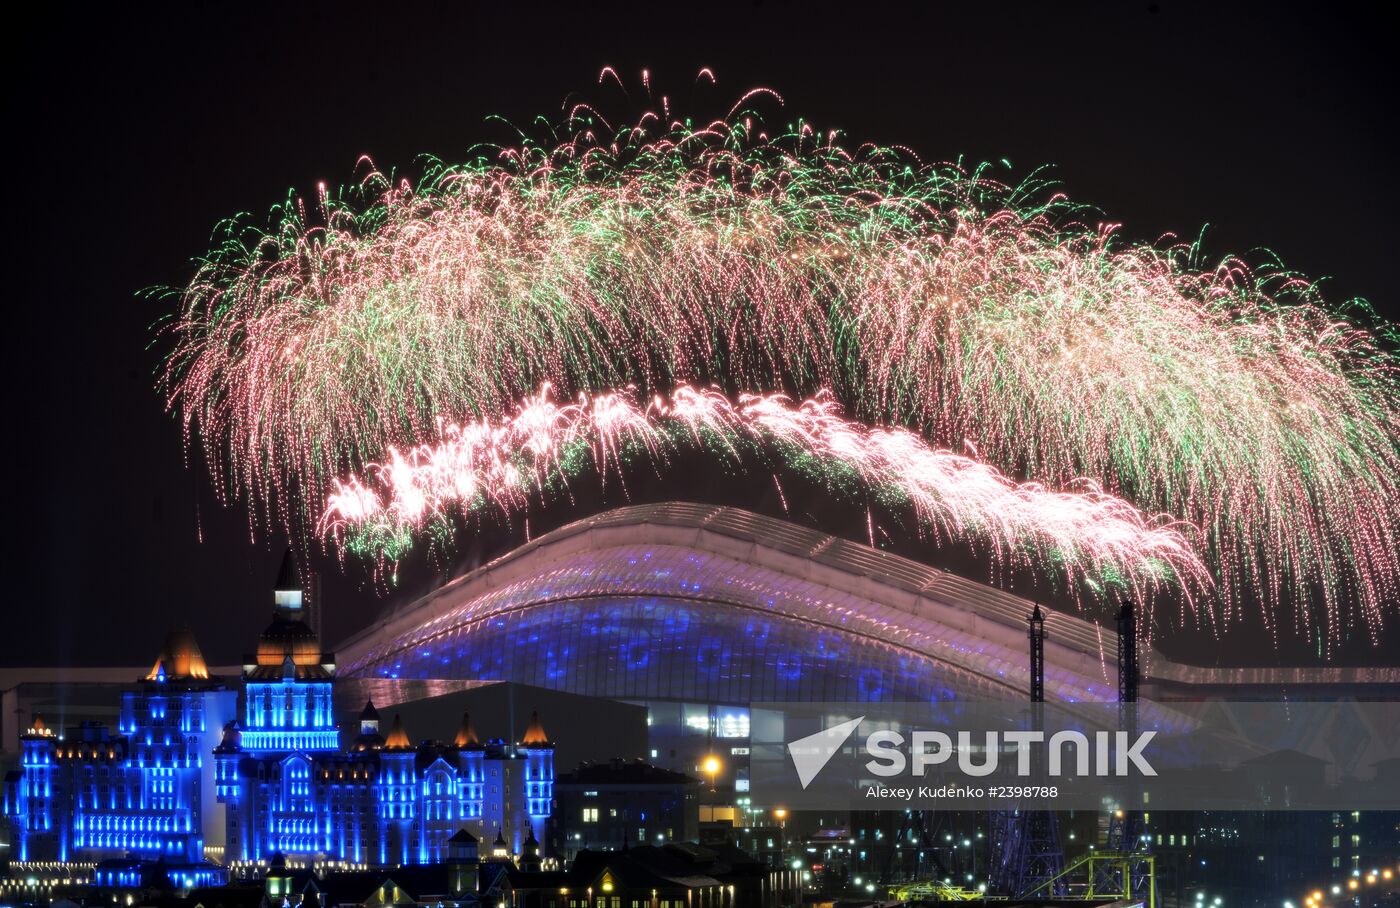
{"x": 288, "y": 786}
{"x": 692, "y": 603}
{"x": 697, "y": 611}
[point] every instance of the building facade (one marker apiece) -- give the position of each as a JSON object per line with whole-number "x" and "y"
{"x": 288, "y": 786}
{"x": 144, "y": 791}
{"x": 182, "y": 778}
{"x": 622, "y": 803}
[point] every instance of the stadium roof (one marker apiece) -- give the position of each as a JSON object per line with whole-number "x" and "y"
{"x": 749, "y": 561}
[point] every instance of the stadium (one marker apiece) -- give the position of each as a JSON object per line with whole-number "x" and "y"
{"x": 697, "y": 611}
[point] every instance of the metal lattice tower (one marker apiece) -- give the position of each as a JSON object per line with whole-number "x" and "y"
{"x": 1127, "y": 654}
{"x": 1126, "y": 828}
{"x": 1026, "y": 850}
{"x": 1036, "y": 633}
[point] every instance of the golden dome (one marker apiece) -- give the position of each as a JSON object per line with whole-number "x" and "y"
{"x": 180, "y": 657}
{"x": 284, "y": 639}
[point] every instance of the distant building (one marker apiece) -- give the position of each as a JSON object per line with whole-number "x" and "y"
{"x": 763, "y": 842}
{"x": 290, "y": 788}
{"x": 676, "y": 875}
{"x": 622, "y": 802}
{"x": 142, "y": 793}
{"x": 151, "y": 880}
{"x": 1237, "y": 854}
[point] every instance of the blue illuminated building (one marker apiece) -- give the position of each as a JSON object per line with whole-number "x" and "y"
{"x": 289, "y": 787}
{"x": 695, "y": 611}
{"x": 141, "y": 793}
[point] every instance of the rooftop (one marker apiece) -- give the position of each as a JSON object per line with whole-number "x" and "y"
{"x": 759, "y": 562}
{"x": 623, "y": 772}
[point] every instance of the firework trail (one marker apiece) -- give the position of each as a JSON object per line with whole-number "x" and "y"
{"x": 924, "y": 296}
{"x": 504, "y": 464}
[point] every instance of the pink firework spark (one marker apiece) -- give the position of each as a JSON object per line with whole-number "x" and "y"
{"x": 502, "y": 464}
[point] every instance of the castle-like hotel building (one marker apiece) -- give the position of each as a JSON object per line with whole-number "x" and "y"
{"x": 279, "y": 779}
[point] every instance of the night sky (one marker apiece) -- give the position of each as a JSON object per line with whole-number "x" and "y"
{"x": 129, "y": 133}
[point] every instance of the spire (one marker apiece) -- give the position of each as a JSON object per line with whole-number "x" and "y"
{"x": 39, "y": 728}
{"x": 530, "y": 852}
{"x": 286, "y": 593}
{"x": 369, "y": 720}
{"x": 466, "y": 735}
{"x": 232, "y": 740}
{"x": 288, "y": 578}
{"x": 398, "y": 738}
{"x": 534, "y": 734}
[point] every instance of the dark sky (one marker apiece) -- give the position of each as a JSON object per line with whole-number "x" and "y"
{"x": 129, "y": 132}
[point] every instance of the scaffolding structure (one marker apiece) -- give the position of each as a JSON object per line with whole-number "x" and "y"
{"x": 1105, "y": 876}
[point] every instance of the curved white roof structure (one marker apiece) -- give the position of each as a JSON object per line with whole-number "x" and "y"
{"x": 689, "y": 601}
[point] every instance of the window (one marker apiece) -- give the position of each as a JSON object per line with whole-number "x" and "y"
{"x": 590, "y": 814}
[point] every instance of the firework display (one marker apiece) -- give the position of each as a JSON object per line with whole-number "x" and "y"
{"x": 504, "y": 464}
{"x": 923, "y": 296}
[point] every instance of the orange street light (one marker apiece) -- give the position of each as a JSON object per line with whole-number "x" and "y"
{"x": 712, "y": 768}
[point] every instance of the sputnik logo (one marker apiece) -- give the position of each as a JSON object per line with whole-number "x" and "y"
{"x": 813, "y": 752}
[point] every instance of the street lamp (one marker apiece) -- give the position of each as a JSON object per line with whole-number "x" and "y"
{"x": 711, "y": 767}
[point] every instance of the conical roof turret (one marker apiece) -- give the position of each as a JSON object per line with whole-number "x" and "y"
{"x": 534, "y": 732}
